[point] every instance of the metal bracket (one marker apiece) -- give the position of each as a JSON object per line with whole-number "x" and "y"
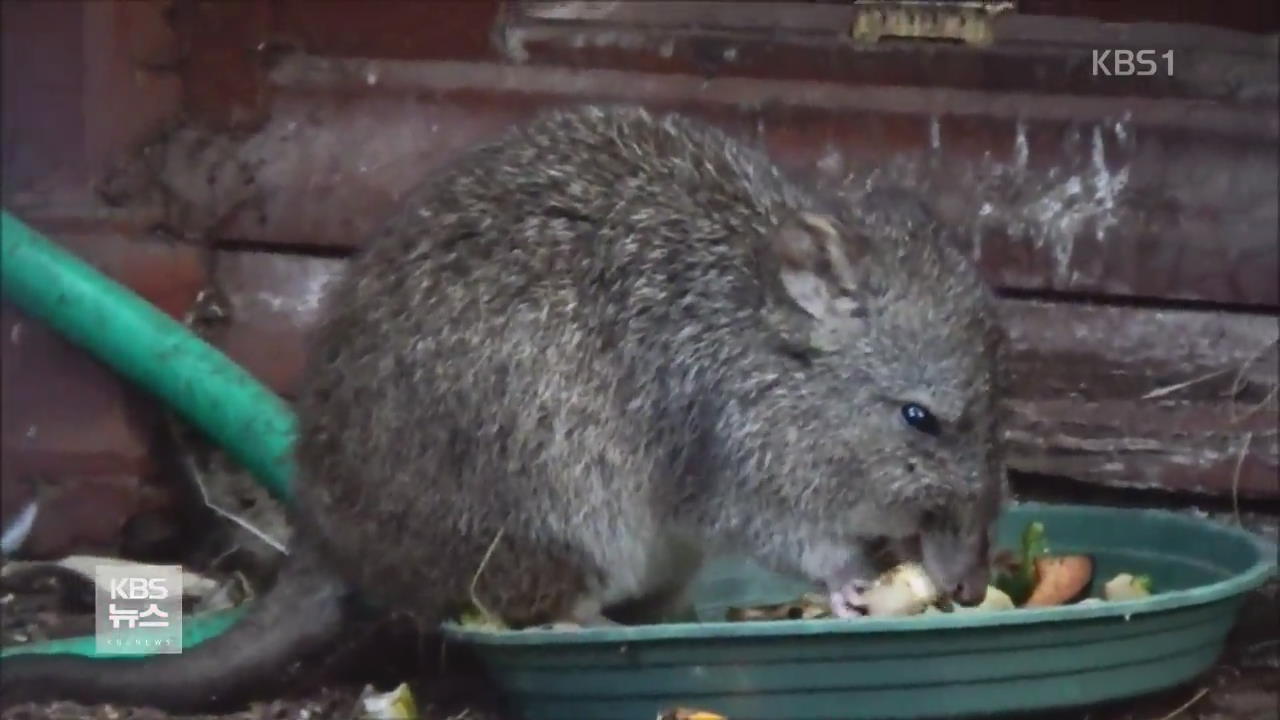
{"x": 969, "y": 23}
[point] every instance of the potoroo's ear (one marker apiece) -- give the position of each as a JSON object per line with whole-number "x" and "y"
{"x": 815, "y": 264}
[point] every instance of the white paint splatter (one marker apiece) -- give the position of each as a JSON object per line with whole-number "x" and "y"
{"x": 15, "y": 333}
{"x": 1122, "y": 126}
{"x": 1049, "y": 207}
{"x": 1107, "y": 185}
{"x": 1065, "y": 208}
{"x": 513, "y": 45}
{"x": 314, "y": 292}
{"x": 1020, "y": 150}
{"x": 935, "y": 133}
{"x": 831, "y": 162}
{"x": 16, "y": 534}
{"x": 573, "y": 10}
{"x": 307, "y": 301}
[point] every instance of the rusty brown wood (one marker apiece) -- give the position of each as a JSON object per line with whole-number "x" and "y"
{"x": 452, "y": 29}
{"x": 1047, "y": 55}
{"x": 71, "y": 426}
{"x": 1251, "y": 15}
{"x": 1146, "y": 398}
{"x": 1051, "y": 72}
{"x": 84, "y": 82}
{"x": 354, "y": 77}
{"x": 67, "y": 68}
{"x": 1066, "y": 187}
{"x": 1161, "y": 355}
{"x": 1122, "y": 397}
{"x": 1202, "y": 448}
{"x": 223, "y": 61}
{"x": 1084, "y": 197}
{"x": 1208, "y": 23}
{"x": 42, "y": 97}
{"x": 228, "y": 48}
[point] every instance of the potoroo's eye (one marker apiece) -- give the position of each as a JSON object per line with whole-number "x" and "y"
{"x": 921, "y": 419}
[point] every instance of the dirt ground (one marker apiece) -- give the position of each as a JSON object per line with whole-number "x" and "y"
{"x": 1244, "y": 686}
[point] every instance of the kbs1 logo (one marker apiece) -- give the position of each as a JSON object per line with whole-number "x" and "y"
{"x": 138, "y": 609}
{"x": 1132, "y": 63}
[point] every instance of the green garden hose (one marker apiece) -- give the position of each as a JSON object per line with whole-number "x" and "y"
{"x": 133, "y": 337}
{"x": 195, "y": 630}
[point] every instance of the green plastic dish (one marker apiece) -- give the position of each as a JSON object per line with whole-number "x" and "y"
{"x": 937, "y": 665}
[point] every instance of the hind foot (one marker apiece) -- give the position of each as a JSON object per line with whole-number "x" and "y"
{"x": 587, "y": 613}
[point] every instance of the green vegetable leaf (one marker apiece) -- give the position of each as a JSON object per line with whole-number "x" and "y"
{"x": 1019, "y": 583}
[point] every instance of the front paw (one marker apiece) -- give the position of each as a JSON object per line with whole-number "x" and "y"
{"x": 850, "y": 600}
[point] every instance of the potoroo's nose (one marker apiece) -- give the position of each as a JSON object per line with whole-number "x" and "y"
{"x": 969, "y": 593}
{"x": 972, "y": 588}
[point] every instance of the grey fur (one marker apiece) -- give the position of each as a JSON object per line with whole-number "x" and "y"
{"x": 585, "y": 337}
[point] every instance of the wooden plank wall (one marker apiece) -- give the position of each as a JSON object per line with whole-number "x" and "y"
{"x": 70, "y": 428}
{"x": 1129, "y": 223}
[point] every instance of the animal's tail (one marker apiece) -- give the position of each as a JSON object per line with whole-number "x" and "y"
{"x": 301, "y": 614}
